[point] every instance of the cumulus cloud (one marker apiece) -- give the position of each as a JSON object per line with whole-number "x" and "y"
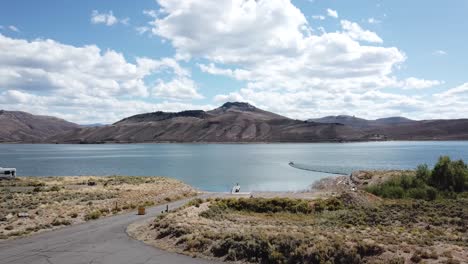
{"x": 269, "y": 46}
{"x": 356, "y": 32}
{"x": 332, "y": 13}
{"x": 107, "y": 18}
{"x": 180, "y": 88}
{"x": 46, "y": 73}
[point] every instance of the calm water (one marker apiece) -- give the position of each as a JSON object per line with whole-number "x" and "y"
{"x": 216, "y": 167}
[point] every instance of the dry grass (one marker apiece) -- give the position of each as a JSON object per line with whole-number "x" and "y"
{"x": 387, "y": 232}
{"x": 51, "y": 202}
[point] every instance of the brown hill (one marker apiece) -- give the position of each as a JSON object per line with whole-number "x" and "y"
{"x": 232, "y": 122}
{"x": 454, "y": 129}
{"x": 27, "y": 128}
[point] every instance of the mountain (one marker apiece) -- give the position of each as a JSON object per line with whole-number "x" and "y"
{"x": 453, "y": 129}
{"x": 23, "y": 127}
{"x": 401, "y": 128}
{"x": 232, "y": 122}
{"x": 360, "y": 122}
{"x": 343, "y": 119}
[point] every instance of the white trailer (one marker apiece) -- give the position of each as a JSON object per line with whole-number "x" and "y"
{"x": 7, "y": 173}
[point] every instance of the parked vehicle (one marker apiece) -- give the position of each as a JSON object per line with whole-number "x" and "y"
{"x": 7, "y": 172}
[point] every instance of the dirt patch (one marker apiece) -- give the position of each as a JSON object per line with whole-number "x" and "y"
{"x": 375, "y": 177}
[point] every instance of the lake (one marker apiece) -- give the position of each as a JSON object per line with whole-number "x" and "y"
{"x": 217, "y": 167}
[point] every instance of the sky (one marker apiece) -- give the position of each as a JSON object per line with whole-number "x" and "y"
{"x": 100, "y": 61}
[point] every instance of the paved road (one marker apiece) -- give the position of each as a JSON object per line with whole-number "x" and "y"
{"x": 97, "y": 242}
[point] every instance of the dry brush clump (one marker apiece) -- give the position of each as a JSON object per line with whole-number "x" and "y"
{"x": 327, "y": 231}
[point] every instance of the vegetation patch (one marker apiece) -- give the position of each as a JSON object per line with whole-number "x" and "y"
{"x": 33, "y": 204}
{"x": 448, "y": 179}
{"x": 422, "y": 217}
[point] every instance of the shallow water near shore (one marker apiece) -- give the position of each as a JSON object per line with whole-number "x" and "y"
{"x": 216, "y": 167}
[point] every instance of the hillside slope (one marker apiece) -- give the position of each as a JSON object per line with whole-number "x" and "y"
{"x": 23, "y": 127}
{"x": 232, "y": 122}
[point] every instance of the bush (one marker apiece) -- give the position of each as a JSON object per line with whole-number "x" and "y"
{"x": 74, "y": 215}
{"x": 450, "y": 175}
{"x": 38, "y": 189}
{"x": 446, "y": 179}
{"x": 58, "y": 222}
{"x": 195, "y": 202}
{"x": 93, "y": 215}
{"x": 264, "y": 205}
{"x": 55, "y": 189}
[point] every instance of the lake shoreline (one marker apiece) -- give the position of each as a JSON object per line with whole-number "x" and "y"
{"x": 236, "y": 143}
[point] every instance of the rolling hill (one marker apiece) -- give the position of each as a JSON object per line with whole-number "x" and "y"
{"x": 232, "y": 122}
{"x": 22, "y": 127}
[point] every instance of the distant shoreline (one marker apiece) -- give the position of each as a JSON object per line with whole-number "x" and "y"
{"x": 235, "y": 143}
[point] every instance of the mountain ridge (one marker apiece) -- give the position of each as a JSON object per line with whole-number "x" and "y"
{"x": 240, "y": 122}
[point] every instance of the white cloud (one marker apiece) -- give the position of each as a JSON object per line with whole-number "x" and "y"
{"x": 332, "y": 13}
{"x": 142, "y": 30}
{"x": 356, "y": 32}
{"x": 373, "y": 21}
{"x": 268, "y": 45}
{"x": 459, "y": 92}
{"x": 151, "y": 13}
{"x": 125, "y": 21}
{"x": 415, "y": 83}
{"x": 180, "y": 88}
{"x": 44, "y": 74}
{"x": 13, "y": 28}
{"x": 107, "y": 18}
{"x": 439, "y": 52}
{"x": 318, "y": 17}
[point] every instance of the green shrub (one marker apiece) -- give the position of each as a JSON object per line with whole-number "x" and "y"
{"x": 423, "y": 173}
{"x": 446, "y": 179}
{"x": 450, "y": 175}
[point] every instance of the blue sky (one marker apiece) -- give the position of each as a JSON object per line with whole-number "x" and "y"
{"x": 299, "y": 58}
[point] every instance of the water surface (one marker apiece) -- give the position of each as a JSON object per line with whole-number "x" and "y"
{"x": 216, "y": 167}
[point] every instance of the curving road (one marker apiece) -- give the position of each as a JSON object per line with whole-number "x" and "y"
{"x": 95, "y": 242}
